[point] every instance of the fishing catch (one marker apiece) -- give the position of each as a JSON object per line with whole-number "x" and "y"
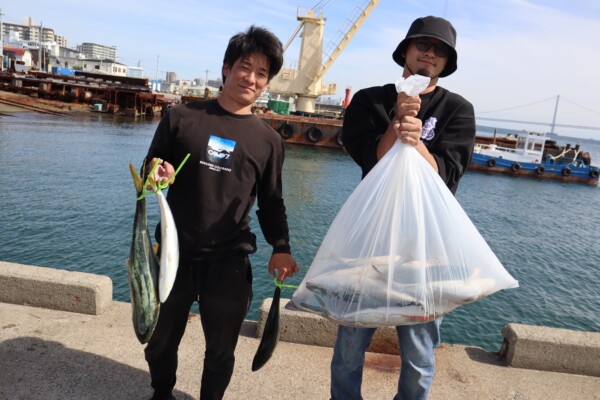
{"x": 382, "y": 292}
{"x": 169, "y": 249}
{"x": 270, "y": 335}
{"x": 142, "y": 267}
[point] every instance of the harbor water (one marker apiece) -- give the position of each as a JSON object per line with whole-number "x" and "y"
{"x": 67, "y": 201}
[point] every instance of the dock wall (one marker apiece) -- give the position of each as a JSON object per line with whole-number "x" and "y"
{"x": 54, "y": 288}
{"x": 525, "y": 346}
{"x": 551, "y": 349}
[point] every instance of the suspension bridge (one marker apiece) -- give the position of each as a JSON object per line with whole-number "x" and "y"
{"x": 552, "y": 124}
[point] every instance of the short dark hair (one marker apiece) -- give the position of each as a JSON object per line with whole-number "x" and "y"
{"x": 255, "y": 40}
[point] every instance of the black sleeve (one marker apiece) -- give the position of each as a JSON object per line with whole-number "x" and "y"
{"x": 365, "y": 122}
{"x": 453, "y": 150}
{"x": 163, "y": 140}
{"x": 271, "y": 209}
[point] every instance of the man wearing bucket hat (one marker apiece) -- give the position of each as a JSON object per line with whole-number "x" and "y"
{"x": 441, "y": 126}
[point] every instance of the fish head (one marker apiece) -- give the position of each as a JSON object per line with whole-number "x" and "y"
{"x": 317, "y": 289}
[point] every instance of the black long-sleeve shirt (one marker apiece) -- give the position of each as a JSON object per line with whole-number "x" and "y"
{"x": 235, "y": 160}
{"x": 450, "y": 141}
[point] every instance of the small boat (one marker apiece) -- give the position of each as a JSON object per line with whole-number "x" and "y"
{"x": 533, "y": 154}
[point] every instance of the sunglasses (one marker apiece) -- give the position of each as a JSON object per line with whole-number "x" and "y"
{"x": 424, "y": 44}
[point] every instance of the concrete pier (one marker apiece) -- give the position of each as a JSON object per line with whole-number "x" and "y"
{"x": 49, "y": 353}
{"x": 54, "y": 288}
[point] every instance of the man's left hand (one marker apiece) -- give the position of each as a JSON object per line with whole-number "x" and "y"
{"x": 285, "y": 265}
{"x": 408, "y": 130}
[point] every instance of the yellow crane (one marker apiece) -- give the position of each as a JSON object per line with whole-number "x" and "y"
{"x": 305, "y": 81}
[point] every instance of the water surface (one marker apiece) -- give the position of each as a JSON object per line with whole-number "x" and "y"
{"x": 68, "y": 201}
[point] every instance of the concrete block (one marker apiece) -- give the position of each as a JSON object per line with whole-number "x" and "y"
{"x": 312, "y": 329}
{"x": 551, "y": 349}
{"x": 54, "y": 288}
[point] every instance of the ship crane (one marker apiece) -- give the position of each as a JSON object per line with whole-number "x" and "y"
{"x": 305, "y": 81}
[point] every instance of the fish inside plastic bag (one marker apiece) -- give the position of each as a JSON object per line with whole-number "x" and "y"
{"x": 400, "y": 251}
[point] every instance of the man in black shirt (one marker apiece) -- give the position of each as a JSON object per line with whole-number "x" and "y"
{"x": 235, "y": 159}
{"x": 441, "y": 126}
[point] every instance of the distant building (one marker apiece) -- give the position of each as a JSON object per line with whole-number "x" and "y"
{"x": 200, "y": 91}
{"x": 155, "y": 86}
{"x": 61, "y": 40}
{"x": 29, "y": 31}
{"x": 18, "y": 59}
{"x": 135, "y": 72}
{"x": 27, "y": 36}
{"x": 98, "y": 51}
{"x": 104, "y": 66}
{"x": 66, "y": 58}
{"x": 167, "y": 87}
{"x": 215, "y": 82}
{"x": 171, "y": 77}
{"x": 28, "y": 21}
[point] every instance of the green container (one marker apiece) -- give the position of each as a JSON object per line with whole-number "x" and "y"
{"x": 279, "y": 107}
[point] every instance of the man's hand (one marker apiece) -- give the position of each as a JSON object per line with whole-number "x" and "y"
{"x": 285, "y": 265}
{"x": 408, "y": 130}
{"x": 406, "y": 124}
{"x": 163, "y": 171}
{"x": 407, "y": 106}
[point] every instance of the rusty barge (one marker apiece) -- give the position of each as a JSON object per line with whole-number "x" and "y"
{"x": 313, "y": 131}
{"x": 105, "y": 93}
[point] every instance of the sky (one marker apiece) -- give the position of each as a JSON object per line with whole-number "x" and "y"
{"x": 514, "y": 56}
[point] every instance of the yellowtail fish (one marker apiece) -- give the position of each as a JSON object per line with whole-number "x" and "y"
{"x": 142, "y": 267}
{"x": 169, "y": 249}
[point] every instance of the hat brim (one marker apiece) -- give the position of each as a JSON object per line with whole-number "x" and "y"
{"x": 451, "y": 64}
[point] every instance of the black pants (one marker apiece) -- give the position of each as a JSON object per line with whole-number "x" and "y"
{"x": 223, "y": 288}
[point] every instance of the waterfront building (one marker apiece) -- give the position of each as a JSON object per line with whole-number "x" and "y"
{"x": 104, "y": 66}
{"x": 42, "y": 42}
{"x": 20, "y": 59}
{"x": 135, "y": 72}
{"x": 98, "y": 51}
{"x": 64, "y": 57}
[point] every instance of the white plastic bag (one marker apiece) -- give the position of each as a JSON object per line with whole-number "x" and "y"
{"x": 400, "y": 251}
{"x": 413, "y": 85}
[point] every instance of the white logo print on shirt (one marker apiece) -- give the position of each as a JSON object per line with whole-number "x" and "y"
{"x": 428, "y": 131}
{"x": 219, "y": 154}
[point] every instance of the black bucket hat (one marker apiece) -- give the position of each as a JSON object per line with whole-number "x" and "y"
{"x": 434, "y": 27}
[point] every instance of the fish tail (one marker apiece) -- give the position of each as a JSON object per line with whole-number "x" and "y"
{"x": 137, "y": 181}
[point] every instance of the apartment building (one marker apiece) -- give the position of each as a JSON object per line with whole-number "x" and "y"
{"x": 98, "y": 51}
{"x": 30, "y": 32}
